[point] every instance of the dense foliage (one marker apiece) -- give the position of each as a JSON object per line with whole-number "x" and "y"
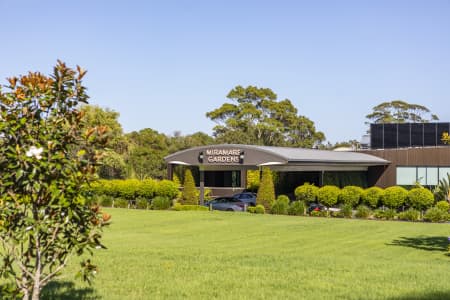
{"x": 266, "y": 191}
{"x": 394, "y": 196}
{"x": 350, "y": 195}
{"x": 190, "y": 195}
{"x": 420, "y": 198}
{"x": 256, "y": 117}
{"x": 328, "y": 195}
{"x": 306, "y": 192}
{"x": 372, "y": 196}
{"x": 399, "y": 111}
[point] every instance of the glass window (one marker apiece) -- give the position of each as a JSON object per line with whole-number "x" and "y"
{"x": 432, "y": 176}
{"x": 406, "y": 175}
{"x": 422, "y": 176}
{"x": 443, "y": 172}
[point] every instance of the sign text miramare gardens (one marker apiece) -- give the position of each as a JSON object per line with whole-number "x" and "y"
{"x": 224, "y": 156}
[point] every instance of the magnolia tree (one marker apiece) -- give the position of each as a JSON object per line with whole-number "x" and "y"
{"x": 47, "y": 155}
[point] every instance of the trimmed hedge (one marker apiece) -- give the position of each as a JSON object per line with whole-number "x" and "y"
{"x": 306, "y": 192}
{"x": 443, "y": 205}
{"x": 372, "y": 196}
{"x": 180, "y": 207}
{"x": 420, "y": 198}
{"x": 328, "y": 195}
{"x": 394, "y": 196}
{"x": 266, "y": 190}
{"x": 350, "y": 195}
{"x": 131, "y": 189}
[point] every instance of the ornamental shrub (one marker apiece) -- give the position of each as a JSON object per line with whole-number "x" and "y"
{"x": 409, "y": 215}
{"x": 346, "y": 211}
{"x": 120, "y": 203}
{"x": 394, "y": 196}
{"x": 350, "y": 195}
{"x": 147, "y": 188}
{"x": 388, "y": 214}
{"x": 328, "y": 195}
{"x": 167, "y": 188}
{"x": 281, "y": 205}
{"x": 105, "y": 200}
{"x": 306, "y": 192}
{"x": 141, "y": 203}
{"x": 435, "y": 215}
{"x": 372, "y": 196}
{"x": 266, "y": 190}
{"x": 251, "y": 209}
{"x": 260, "y": 209}
{"x": 181, "y": 207}
{"x": 297, "y": 208}
{"x": 189, "y": 189}
{"x": 160, "y": 203}
{"x": 443, "y": 205}
{"x": 362, "y": 212}
{"x": 420, "y": 198}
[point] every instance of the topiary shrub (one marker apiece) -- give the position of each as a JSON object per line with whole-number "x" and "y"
{"x": 181, "y": 207}
{"x": 350, "y": 195}
{"x": 281, "y": 205}
{"x": 167, "y": 188}
{"x": 306, "y": 192}
{"x": 420, "y": 198}
{"x": 189, "y": 189}
{"x": 328, "y": 195}
{"x": 435, "y": 215}
{"x": 160, "y": 203}
{"x": 372, "y": 196}
{"x": 409, "y": 215}
{"x": 297, "y": 208}
{"x": 266, "y": 190}
{"x": 260, "y": 209}
{"x": 362, "y": 212}
{"x": 443, "y": 205}
{"x": 394, "y": 196}
{"x": 141, "y": 203}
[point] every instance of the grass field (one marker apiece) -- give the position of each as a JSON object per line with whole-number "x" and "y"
{"x": 204, "y": 255}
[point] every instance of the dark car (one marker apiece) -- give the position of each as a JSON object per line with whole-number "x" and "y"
{"x": 247, "y": 197}
{"x": 315, "y": 207}
{"x": 226, "y": 203}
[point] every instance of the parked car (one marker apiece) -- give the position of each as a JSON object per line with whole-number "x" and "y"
{"x": 226, "y": 203}
{"x": 247, "y": 197}
{"x": 315, "y": 207}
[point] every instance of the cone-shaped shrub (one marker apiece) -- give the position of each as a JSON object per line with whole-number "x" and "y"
{"x": 372, "y": 196}
{"x": 328, "y": 195}
{"x": 394, "y": 196}
{"x": 266, "y": 190}
{"x": 189, "y": 191}
{"x": 350, "y": 195}
{"x": 306, "y": 192}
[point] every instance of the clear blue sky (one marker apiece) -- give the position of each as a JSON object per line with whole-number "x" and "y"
{"x": 164, "y": 64}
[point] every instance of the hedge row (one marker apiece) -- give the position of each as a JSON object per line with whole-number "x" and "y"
{"x": 131, "y": 189}
{"x": 392, "y": 197}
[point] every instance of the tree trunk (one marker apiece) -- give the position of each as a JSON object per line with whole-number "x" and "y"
{"x": 36, "y": 290}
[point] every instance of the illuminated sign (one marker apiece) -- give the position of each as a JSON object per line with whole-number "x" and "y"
{"x": 222, "y": 156}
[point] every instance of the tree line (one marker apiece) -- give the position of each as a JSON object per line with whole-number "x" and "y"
{"x": 251, "y": 115}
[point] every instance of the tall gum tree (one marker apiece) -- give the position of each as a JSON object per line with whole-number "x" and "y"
{"x": 255, "y": 116}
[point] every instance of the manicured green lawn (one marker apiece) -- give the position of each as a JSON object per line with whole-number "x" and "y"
{"x": 208, "y": 255}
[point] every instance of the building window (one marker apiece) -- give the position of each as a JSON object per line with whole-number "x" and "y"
{"x": 406, "y": 175}
{"x": 423, "y": 175}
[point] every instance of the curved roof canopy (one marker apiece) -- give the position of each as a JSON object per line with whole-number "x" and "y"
{"x": 251, "y": 155}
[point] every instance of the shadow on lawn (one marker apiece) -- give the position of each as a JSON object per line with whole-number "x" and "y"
{"x": 59, "y": 290}
{"x": 424, "y": 296}
{"x": 429, "y": 243}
